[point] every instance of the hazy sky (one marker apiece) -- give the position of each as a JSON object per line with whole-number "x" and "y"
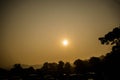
{"x": 32, "y": 30}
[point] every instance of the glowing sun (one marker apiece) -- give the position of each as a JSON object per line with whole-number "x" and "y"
{"x": 65, "y": 42}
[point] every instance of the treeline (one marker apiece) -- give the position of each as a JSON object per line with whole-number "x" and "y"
{"x": 96, "y": 68}
{"x": 106, "y": 67}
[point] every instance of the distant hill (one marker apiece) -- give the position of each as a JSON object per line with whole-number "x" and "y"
{"x": 37, "y": 66}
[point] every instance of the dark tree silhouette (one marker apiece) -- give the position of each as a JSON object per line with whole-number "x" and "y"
{"x": 95, "y": 63}
{"x": 67, "y": 68}
{"x": 96, "y": 67}
{"x": 111, "y": 60}
{"x": 45, "y": 68}
{"x": 31, "y": 70}
{"x": 3, "y": 73}
{"x": 112, "y": 37}
{"x": 17, "y": 70}
{"x": 53, "y": 69}
{"x": 79, "y": 66}
{"x": 60, "y": 69}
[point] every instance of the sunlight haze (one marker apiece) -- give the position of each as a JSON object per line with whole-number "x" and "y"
{"x": 31, "y": 30}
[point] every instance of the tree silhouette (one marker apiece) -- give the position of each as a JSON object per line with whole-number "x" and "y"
{"x": 45, "y": 68}
{"x": 112, "y": 37}
{"x": 95, "y": 63}
{"x": 96, "y": 67}
{"x": 79, "y": 66}
{"x": 17, "y": 70}
{"x": 60, "y": 69}
{"x": 110, "y": 62}
{"x": 53, "y": 69}
{"x": 67, "y": 68}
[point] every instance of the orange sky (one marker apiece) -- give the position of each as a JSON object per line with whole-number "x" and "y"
{"x": 32, "y": 31}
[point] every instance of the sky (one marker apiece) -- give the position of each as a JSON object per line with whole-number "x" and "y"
{"x": 32, "y": 31}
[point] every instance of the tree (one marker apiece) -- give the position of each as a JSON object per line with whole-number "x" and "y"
{"x": 111, "y": 60}
{"x": 45, "y": 68}
{"x": 60, "y": 69}
{"x": 67, "y": 68}
{"x": 17, "y": 70}
{"x": 79, "y": 66}
{"x": 95, "y": 63}
{"x": 53, "y": 69}
{"x": 96, "y": 67}
{"x": 112, "y": 38}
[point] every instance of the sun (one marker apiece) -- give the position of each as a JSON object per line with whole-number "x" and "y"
{"x": 65, "y": 42}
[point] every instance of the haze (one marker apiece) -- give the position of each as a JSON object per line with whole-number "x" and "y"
{"x": 32, "y": 30}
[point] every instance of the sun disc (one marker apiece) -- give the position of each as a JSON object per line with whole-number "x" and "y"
{"x": 65, "y": 42}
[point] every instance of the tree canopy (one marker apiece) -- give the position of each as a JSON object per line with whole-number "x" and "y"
{"x": 113, "y": 38}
